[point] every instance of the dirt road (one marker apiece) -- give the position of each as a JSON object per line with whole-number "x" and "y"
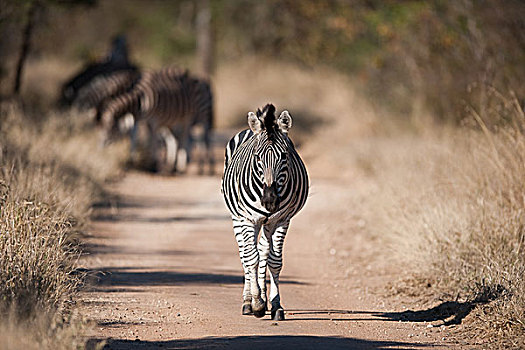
{"x": 168, "y": 275}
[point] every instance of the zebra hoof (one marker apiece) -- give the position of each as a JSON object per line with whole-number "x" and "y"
{"x": 247, "y": 309}
{"x": 258, "y": 308}
{"x": 278, "y": 314}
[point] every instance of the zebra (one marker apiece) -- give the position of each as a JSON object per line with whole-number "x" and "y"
{"x": 102, "y": 89}
{"x": 72, "y": 87}
{"x": 169, "y": 99}
{"x": 265, "y": 183}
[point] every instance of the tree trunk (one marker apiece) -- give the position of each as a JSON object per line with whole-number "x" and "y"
{"x": 24, "y": 50}
{"x": 205, "y": 38}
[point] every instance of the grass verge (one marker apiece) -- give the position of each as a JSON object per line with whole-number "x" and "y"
{"x": 452, "y": 205}
{"x": 51, "y": 171}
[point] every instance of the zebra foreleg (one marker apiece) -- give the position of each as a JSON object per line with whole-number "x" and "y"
{"x": 246, "y": 294}
{"x": 166, "y": 163}
{"x": 275, "y": 264}
{"x": 250, "y": 257}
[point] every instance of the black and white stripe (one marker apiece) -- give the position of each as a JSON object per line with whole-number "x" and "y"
{"x": 169, "y": 99}
{"x": 103, "y": 89}
{"x": 264, "y": 185}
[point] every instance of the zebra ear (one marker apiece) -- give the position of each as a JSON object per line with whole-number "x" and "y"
{"x": 254, "y": 123}
{"x": 284, "y": 122}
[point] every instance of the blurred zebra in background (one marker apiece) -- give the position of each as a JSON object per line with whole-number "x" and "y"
{"x": 103, "y": 89}
{"x": 116, "y": 61}
{"x": 264, "y": 185}
{"x": 171, "y": 102}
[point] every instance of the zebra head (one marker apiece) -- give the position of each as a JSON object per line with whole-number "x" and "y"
{"x": 271, "y": 153}
{"x": 118, "y": 116}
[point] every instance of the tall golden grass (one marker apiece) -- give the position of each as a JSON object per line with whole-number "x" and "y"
{"x": 452, "y": 203}
{"x": 51, "y": 171}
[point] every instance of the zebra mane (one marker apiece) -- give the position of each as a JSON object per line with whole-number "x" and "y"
{"x": 267, "y": 116}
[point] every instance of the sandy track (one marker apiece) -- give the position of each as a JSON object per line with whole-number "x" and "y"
{"x": 168, "y": 276}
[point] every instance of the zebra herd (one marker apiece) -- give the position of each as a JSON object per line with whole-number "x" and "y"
{"x": 265, "y": 182}
{"x": 170, "y": 102}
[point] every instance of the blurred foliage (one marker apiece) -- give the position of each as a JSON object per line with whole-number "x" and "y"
{"x": 402, "y": 51}
{"x": 409, "y": 56}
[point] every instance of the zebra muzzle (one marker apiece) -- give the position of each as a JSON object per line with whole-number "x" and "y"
{"x": 270, "y": 199}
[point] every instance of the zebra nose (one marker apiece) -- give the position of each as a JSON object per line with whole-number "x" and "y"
{"x": 270, "y": 199}
{"x": 268, "y": 177}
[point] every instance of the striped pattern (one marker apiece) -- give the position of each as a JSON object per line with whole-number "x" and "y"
{"x": 264, "y": 185}
{"x": 169, "y": 98}
{"x": 103, "y": 89}
{"x": 72, "y": 88}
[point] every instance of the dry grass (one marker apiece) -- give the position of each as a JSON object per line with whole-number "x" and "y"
{"x": 451, "y": 202}
{"x": 49, "y": 177}
{"x": 46, "y": 330}
{"x": 37, "y": 256}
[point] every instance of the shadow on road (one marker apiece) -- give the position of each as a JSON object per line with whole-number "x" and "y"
{"x": 160, "y": 220}
{"x": 99, "y": 249}
{"x": 449, "y": 312}
{"x": 133, "y": 276}
{"x": 115, "y": 202}
{"x": 327, "y": 315}
{"x": 326, "y": 312}
{"x": 258, "y": 342}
